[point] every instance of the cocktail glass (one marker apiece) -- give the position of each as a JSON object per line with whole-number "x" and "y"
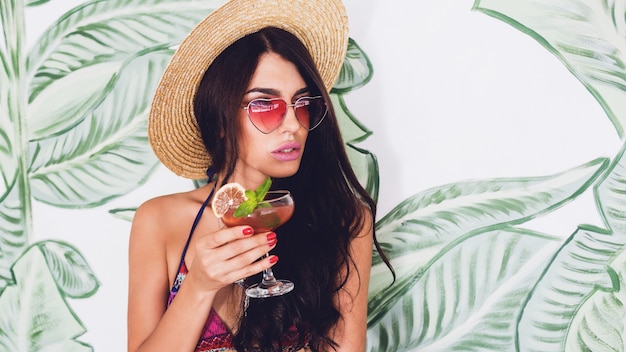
{"x": 273, "y": 211}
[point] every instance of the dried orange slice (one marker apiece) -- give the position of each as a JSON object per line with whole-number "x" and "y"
{"x": 229, "y": 195}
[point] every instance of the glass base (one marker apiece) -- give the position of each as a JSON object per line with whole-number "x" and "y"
{"x": 277, "y": 288}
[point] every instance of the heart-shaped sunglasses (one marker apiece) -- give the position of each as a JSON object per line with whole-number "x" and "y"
{"x": 267, "y": 114}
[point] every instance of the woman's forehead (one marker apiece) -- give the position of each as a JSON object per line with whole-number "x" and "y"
{"x": 276, "y": 76}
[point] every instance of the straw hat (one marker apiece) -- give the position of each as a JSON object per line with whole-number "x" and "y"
{"x": 322, "y": 26}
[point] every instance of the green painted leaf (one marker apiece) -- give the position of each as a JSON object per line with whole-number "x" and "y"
{"x": 586, "y": 35}
{"x": 417, "y": 230}
{"x": 32, "y": 3}
{"x": 69, "y": 268}
{"x": 15, "y": 221}
{"x": 577, "y": 272}
{"x": 352, "y": 130}
{"x": 86, "y": 47}
{"x": 610, "y": 195}
{"x": 35, "y": 317}
{"x": 8, "y": 121}
{"x": 64, "y": 102}
{"x": 469, "y": 296}
{"x": 356, "y": 70}
{"x": 366, "y": 165}
{"x": 363, "y": 162}
{"x": 600, "y": 323}
{"x": 13, "y": 239}
{"x": 126, "y": 214}
{"x": 578, "y": 305}
{"x": 107, "y": 154}
{"x": 8, "y": 157}
{"x": 436, "y": 216}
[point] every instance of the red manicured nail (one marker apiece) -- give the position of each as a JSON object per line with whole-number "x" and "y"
{"x": 271, "y": 239}
{"x": 248, "y": 231}
{"x": 273, "y": 259}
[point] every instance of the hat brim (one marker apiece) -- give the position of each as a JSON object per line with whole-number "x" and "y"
{"x": 321, "y": 25}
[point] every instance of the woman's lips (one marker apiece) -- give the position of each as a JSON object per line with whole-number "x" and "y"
{"x": 287, "y": 152}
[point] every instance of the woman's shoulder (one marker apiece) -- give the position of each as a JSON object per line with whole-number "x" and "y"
{"x": 168, "y": 211}
{"x": 162, "y": 205}
{"x": 178, "y": 201}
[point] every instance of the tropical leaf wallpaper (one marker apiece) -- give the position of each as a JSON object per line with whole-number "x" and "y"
{"x": 472, "y": 275}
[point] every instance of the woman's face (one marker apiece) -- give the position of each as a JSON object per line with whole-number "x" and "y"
{"x": 278, "y": 153}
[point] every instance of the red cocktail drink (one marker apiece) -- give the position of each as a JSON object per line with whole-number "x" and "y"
{"x": 270, "y": 214}
{"x": 275, "y": 209}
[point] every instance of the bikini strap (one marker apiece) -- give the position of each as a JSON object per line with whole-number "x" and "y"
{"x": 193, "y": 227}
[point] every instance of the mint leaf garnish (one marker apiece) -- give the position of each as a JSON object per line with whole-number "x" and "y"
{"x": 262, "y": 190}
{"x": 254, "y": 197}
{"x": 244, "y": 209}
{"x": 251, "y": 195}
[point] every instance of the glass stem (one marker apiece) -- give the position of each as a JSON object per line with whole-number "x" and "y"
{"x": 268, "y": 277}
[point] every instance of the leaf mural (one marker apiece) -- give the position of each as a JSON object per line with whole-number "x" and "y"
{"x": 356, "y": 71}
{"x": 610, "y": 196}
{"x": 35, "y": 315}
{"x": 431, "y": 220}
{"x": 13, "y": 224}
{"x": 101, "y": 152}
{"x": 363, "y": 162}
{"x": 86, "y": 47}
{"x": 8, "y": 161}
{"x": 35, "y": 2}
{"x": 108, "y": 153}
{"x": 577, "y": 304}
{"x": 599, "y": 325}
{"x": 591, "y": 315}
{"x": 586, "y": 35}
{"x": 12, "y": 235}
{"x": 70, "y": 270}
{"x": 8, "y": 158}
{"x": 579, "y": 269}
{"x": 419, "y": 232}
{"x": 111, "y": 30}
{"x": 469, "y": 298}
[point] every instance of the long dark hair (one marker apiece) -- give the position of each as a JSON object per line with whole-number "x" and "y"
{"x": 331, "y": 205}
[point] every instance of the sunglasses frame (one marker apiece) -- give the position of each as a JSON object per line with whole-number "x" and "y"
{"x": 310, "y": 128}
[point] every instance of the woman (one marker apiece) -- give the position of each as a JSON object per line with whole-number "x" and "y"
{"x": 202, "y": 122}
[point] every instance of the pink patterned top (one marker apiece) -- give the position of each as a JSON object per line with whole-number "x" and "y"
{"x": 216, "y": 336}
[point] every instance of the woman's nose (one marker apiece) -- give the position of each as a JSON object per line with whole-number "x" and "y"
{"x": 291, "y": 122}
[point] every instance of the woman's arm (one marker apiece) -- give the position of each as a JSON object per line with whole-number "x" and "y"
{"x": 351, "y": 330}
{"x": 219, "y": 259}
{"x": 150, "y": 328}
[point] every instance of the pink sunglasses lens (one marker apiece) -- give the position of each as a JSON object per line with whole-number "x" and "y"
{"x": 267, "y": 115}
{"x": 310, "y": 111}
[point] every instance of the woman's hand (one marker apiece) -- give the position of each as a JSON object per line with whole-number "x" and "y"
{"x": 230, "y": 254}
{"x": 214, "y": 258}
